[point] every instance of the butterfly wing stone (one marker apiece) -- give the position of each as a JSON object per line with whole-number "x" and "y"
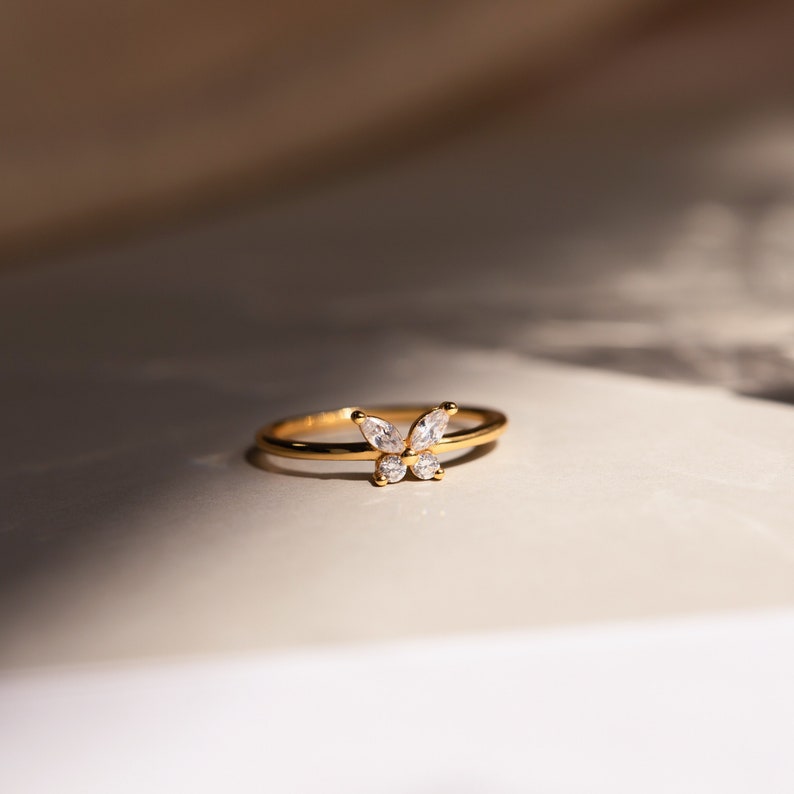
{"x": 426, "y": 467}
{"x": 392, "y": 468}
{"x": 382, "y": 435}
{"x": 429, "y": 430}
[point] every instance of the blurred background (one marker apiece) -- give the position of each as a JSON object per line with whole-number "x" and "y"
{"x": 582, "y": 212}
{"x": 642, "y": 148}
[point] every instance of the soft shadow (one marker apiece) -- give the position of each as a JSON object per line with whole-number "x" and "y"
{"x": 260, "y": 459}
{"x": 472, "y": 454}
{"x": 782, "y": 395}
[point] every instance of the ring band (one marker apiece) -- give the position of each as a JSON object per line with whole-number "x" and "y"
{"x": 383, "y": 441}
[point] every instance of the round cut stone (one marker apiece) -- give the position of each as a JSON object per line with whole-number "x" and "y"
{"x": 392, "y": 468}
{"x": 382, "y": 435}
{"x": 427, "y": 465}
{"x": 429, "y": 430}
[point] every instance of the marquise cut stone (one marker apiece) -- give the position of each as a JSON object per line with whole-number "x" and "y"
{"x": 426, "y": 467}
{"x": 382, "y": 435}
{"x": 392, "y": 468}
{"x": 429, "y": 430}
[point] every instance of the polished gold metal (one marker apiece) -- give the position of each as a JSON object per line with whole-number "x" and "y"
{"x": 409, "y": 457}
{"x": 282, "y": 438}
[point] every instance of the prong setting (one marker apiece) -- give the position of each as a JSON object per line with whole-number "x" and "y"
{"x": 416, "y": 453}
{"x": 409, "y": 457}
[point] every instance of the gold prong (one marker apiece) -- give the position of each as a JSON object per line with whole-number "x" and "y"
{"x": 409, "y": 457}
{"x": 450, "y": 408}
{"x": 379, "y": 479}
{"x": 439, "y": 475}
{"x": 358, "y": 416}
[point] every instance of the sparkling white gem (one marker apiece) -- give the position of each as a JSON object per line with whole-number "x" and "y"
{"x": 426, "y": 432}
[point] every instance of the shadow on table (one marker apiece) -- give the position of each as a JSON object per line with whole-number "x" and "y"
{"x": 260, "y": 459}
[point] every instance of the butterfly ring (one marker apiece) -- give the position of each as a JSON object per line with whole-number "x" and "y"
{"x": 383, "y": 442}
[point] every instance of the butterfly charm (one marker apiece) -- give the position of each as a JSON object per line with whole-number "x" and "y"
{"x": 398, "y": 456}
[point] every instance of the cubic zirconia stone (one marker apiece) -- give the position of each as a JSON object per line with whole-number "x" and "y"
{"x": 427, "y": 465}
{"x": 392, "y": 468}
{"x": 429, "y": 430}
{"x": 382, "y": 435}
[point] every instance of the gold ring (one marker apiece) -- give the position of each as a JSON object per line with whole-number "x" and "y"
{"x": 383, "y": 441}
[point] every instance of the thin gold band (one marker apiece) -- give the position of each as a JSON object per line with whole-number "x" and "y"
{"x": 277, "y": 438}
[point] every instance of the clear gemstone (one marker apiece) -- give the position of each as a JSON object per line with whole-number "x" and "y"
{"x": 427, "y": 465}
{"x": 382, "y": 435}
{"x": 392, "y": 468}
{"x": 429, "y": 430}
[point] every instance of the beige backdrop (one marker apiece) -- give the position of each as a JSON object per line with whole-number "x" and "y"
{"x": 116, "y": 113}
